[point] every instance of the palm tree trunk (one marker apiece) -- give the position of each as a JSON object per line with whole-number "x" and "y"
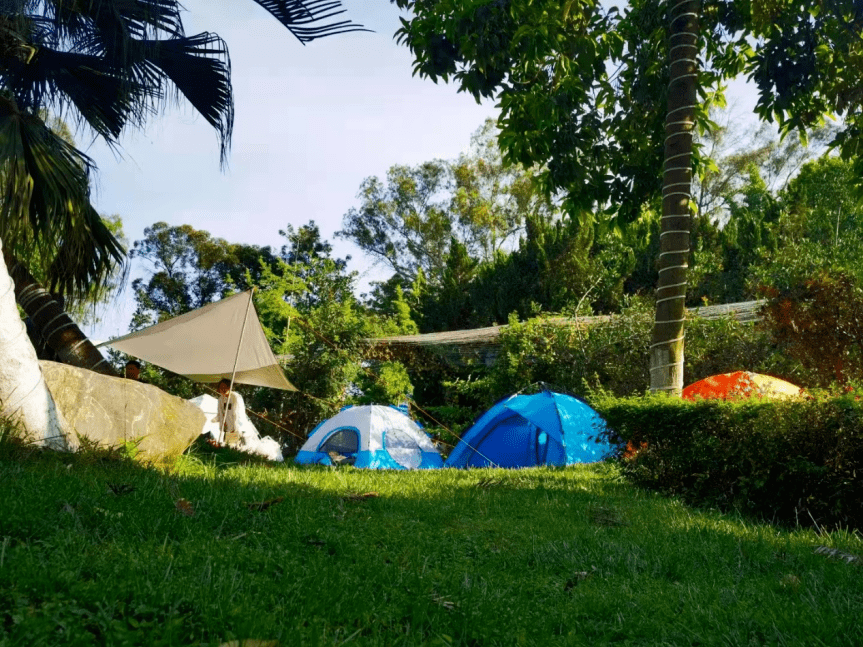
{"x": 24, "y": 396}
{"x": 53, "y": 324}
{"x": 666, "y": 349}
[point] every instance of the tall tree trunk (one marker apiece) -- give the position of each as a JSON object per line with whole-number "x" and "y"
{"x": 24, "y": 396}
{"x": 53, "y": 324}
{"x": 666, "y": 349}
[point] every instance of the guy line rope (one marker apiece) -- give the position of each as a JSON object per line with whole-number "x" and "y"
{"x": 378, "y": 378}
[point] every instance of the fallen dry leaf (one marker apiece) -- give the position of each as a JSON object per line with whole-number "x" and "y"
{"x": 263, "y": 505}
{"x": 108, "y": 513}
{"x": 184, "y": 507}
{"x": 361, "y": 497}
{"x": 790, "y": 581}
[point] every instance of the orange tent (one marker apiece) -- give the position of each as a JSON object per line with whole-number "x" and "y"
{"x": 741, "y": 384}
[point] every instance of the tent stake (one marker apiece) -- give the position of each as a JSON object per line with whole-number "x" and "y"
{"x": 222, "y": 432}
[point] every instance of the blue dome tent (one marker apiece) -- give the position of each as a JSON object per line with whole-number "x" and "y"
{"x": 546, "y": 428}
{"x": 371, "y": 436}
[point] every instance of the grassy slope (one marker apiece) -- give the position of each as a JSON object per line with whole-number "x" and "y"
{"x": 542, "y": 556}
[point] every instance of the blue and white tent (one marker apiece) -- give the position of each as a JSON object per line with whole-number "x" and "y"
{"x": 371, "y": 436}
{"x": 546, "y": 428}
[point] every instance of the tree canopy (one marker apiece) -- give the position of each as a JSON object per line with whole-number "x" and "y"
{"x": 189, "y": 268}
{"x": 582, "y": 87}
{"x": 408, "y": 222}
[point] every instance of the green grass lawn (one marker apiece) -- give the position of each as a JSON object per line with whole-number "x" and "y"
{"x": 104, "y": 552}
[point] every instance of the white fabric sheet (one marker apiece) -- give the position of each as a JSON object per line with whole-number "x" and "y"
{"x": 251, "y": 439}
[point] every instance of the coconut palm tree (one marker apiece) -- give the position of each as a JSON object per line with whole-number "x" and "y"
{"x": 666, "y": 349}
{"x": 103, "y": 65}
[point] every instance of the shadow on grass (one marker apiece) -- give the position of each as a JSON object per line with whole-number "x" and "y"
{"x": 96, "y": 548}
{"x": 222, "y": 456}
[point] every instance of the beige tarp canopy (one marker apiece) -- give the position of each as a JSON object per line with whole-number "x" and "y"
{"x": 202, "y": 345}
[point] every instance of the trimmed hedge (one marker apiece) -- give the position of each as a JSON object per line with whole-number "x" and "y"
{"x": 792, "y": 462}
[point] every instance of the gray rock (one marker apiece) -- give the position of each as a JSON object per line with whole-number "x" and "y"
{"x": 112, "y": 410}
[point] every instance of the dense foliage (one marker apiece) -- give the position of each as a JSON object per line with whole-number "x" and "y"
{"x": 605, "y": 100}
{"x": 764, "y": 218}
{"x": 792, "y": 462}
{"x": 609, "y": 355}
{"x": 819, "y": 322}
{"x": 188, "y": 268}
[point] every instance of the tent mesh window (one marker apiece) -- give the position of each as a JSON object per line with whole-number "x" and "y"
{"x": 403, "y": 449}
{"x": 343, "y": 441}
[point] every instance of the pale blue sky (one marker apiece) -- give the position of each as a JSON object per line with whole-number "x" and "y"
{"x": 311, "y": 123}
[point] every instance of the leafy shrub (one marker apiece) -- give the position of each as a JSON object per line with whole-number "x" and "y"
{"x": 612, "y": 355}
{"x": 446, "y": 423}
{"x": 819, "y": 322}
{"x": 571, "y": 356}
{"x": 788, "y": 461}
{"x": 723, "y": 345}
{"x": 384, "y": 383}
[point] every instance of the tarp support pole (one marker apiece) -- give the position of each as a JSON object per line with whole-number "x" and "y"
{"x": 236, "y": 360}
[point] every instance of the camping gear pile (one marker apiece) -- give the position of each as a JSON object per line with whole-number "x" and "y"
{"x": 250, "y": 439}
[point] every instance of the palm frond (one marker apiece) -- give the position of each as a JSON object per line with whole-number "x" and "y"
{"x": 200, "y": 70}
{"x": 297, "y": 14}
{"x": 142, "y": 18}
{"x": 115, "y": 20}
{"x": 130, "y": 90}
{"x": 46, "y": 213}
{"x": 87, "y": 258}
{"x": 104, "y": 99}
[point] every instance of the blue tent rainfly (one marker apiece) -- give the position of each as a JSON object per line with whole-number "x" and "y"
{"x": 546, "y": 428}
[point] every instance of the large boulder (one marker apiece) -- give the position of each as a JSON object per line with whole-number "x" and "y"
{"x": 112, "y": 410}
